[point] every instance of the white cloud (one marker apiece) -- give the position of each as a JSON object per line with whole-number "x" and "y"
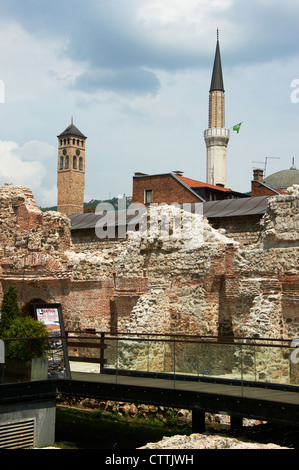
{"x": 23, "y": 166}
{"x": 32, "y": 67}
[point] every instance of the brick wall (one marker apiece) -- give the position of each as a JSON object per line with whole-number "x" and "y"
{"x": 258, "y": 189}
{"x": 166, "y": 189}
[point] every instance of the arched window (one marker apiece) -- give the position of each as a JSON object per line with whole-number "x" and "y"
{"x": 80, "y": 163}
{"x": 66, "y": 162}
{"x": 75, "y": 163}
{"x": 61, "y": 163}
{"x": 78, "y": 141}
{"x": 74, "y": 141}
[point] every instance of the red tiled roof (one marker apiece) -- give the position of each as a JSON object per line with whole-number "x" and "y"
{"x": 280, "y": 191}
{"x": 199, "y": 184}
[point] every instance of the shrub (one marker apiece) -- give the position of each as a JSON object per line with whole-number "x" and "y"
{"x": 10, "y": 309}
{"x": 25, "y": 350}
{"x": 14, "y": 325}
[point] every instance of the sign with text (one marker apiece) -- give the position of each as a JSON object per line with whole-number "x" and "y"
{"x": 51, "y": 316}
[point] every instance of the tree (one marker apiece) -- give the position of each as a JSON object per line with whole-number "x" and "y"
{"x": 10, "y": 309}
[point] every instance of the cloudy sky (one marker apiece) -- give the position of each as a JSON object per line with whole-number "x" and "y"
{"x": 135, "y": 75}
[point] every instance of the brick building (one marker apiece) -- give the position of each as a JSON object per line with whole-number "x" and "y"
{"x": 173, "y": 187}
{"x": 276, "y": 183}
{"x": 260, "y": 188}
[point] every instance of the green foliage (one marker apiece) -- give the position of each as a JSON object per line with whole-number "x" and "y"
{"x": 82, "y": 429}
{"x": 9, "y": 308}
{"x": 25, "y": 350}
{"x": 14, "y": 325}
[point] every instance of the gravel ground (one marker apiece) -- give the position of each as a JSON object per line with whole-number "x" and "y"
{"x": 207, "y": 440}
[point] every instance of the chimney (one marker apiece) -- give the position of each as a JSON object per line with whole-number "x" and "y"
{"x": 258, "y": 175}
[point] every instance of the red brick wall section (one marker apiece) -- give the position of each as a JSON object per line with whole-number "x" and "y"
{"x": 258, "y": 189}
{"x": 166, "y": 189}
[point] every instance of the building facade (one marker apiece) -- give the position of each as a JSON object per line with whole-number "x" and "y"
{"x": 174, "y": 188}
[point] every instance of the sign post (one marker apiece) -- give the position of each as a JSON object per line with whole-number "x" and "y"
{"x": 2, "y": 352}
{"x": 2, "y": 357}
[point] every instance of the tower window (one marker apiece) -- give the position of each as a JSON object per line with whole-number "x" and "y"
{"x": 78, "y": 141}
{"x": 66, "y": 162}
{"x": 61, "y": 163}
{"x": 74, "y": 141}
{"x": 75, "y": 163}
{"x": 82, "y": 143}
{"x": 80, "y": 163}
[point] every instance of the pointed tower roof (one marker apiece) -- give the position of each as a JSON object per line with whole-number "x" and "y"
{"x": 217, "y": 78}
{"x": 72, "y": 130}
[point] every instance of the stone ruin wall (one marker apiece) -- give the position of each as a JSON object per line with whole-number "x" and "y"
{"x": 156, "y": 285}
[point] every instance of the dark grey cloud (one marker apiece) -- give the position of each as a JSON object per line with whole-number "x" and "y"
{"x": 134, "y": 80}
{"x": 264, "y": 31}
{"x": 120, "y": 55}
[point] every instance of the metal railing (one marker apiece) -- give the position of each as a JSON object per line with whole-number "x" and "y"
{"x": 264, "y": 360}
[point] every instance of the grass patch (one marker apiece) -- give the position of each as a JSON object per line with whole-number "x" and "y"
{"x": 81, "y": 429}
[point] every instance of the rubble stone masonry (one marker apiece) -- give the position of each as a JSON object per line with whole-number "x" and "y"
{"x": 199, "y": 283}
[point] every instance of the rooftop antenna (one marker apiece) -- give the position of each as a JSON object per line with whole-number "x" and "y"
{"x": 265, "y": 163}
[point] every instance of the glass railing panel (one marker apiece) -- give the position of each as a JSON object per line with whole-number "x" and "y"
{"x": 247, "y": 360}
{"x": 56, "y": 355}
{"x": 294, "y": 361}
{"x": 208, "y": 359}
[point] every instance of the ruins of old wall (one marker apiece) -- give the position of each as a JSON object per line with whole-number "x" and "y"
{"x": 200, "y": 283}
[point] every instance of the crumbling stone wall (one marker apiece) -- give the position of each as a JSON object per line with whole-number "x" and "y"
{"x": 281, "y": 223}
{"x": 201, "y": 282}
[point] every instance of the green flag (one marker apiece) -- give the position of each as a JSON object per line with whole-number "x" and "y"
{"x": 237, "y": 127}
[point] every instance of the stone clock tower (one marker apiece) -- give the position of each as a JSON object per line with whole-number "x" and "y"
{"x": 216, "y": 136}
{"x": 71, "y": 171}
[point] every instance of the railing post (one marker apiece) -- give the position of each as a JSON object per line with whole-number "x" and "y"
{"x": 242, "y": 369}
{"x": 174, "y": 364}
{"x": 102, "y": 353}
{"x": 198, "y": 421}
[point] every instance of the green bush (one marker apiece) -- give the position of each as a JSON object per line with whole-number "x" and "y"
{"x": 25, "y": 350}
{"x": 14, "y": 325}
{"x": 10, "y": 309}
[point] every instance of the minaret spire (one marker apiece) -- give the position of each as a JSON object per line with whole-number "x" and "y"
{"x": 217, "y": 78}
{"x": 216, "y": 137}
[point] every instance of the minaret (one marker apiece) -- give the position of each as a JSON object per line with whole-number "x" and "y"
{"x": 216, "y": 136}
{"x": 71, "y": 171}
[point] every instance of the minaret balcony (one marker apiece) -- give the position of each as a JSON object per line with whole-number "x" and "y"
{"x": 217, "y": 132}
